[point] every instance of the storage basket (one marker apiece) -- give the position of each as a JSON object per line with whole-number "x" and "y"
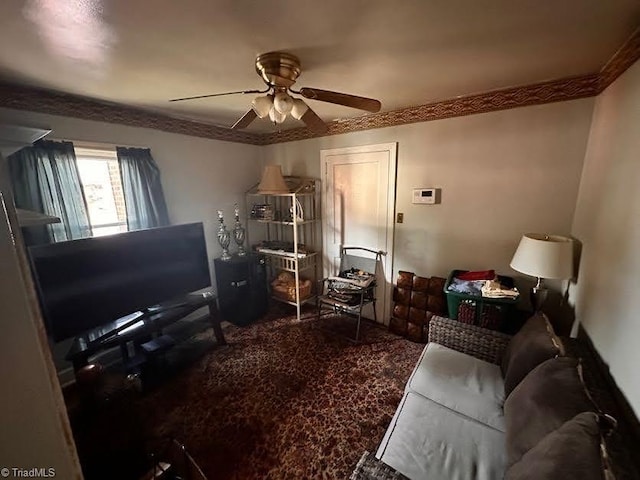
{"x": 288, "y": 292}
{"x": 476, "y": 309}
{"x": 284, "y": 287}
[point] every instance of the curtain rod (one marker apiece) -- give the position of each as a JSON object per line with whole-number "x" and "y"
{"x": 96, "y": 145}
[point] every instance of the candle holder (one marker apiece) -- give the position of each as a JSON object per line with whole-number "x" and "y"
{"x": 224, "y": 237}
{"x": 239, "y": 233}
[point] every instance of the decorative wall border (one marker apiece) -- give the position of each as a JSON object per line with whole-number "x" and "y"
{"x": 547, "y": 92}
{"x": 626, "y": 56}
{"x": 56, "y": 103}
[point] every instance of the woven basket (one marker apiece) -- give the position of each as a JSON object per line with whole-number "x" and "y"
{"x": 283, "y": 286}
{"x": 288, "y": 292}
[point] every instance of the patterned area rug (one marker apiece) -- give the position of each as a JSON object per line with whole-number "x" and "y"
{"x": 285, "y": 399}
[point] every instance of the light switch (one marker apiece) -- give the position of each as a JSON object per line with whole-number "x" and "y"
{"x": 400, "y": 218}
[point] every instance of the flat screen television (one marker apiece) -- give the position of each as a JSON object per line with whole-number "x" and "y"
{"x": 85, "y": 283}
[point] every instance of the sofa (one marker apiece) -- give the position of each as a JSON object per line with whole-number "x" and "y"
{"x": 483, "y": 405}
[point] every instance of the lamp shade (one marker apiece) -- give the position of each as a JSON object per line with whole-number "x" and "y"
{"x": 544, "y": 256}
{"x": 276, "y": 116}
{"x": 272, "y": 180}
{"x": 262, "y": 105}
{"x": 299, "y": 108}
{"x": 282, "y": 102}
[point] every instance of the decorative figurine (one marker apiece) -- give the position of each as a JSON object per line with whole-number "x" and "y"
{"x": 239, "y": 233}
{"x": 224, "y": 237}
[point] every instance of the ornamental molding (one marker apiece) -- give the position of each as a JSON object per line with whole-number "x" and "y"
{"x": 627, "y": 55}
{"x": 547, "y": 92}
{"x": 67, "y": 105}
{"x": 56, "y": 103}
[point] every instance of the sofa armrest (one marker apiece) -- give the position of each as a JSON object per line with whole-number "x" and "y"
{"x": 370, "y": 468}
{"x": 481, "y": 343}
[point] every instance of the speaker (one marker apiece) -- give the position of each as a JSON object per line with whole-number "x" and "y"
{"x": 242, "y": 288}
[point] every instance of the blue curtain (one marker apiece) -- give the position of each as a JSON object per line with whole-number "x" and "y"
{"x": 143, "y": 196}
{"x": 45, "y": 179}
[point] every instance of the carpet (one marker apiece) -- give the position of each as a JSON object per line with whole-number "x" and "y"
{"x": 286, "y": 398}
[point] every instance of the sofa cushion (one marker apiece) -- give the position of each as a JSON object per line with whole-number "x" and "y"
{"x": 532, "y": 345}
{"x": 550, "y": 395}
{"x": 428, "y": 440}
{"x": 460, "y": 382}
{"x": 572, "y": 452}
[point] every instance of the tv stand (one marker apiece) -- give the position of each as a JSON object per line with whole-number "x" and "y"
{"x": 141, "y": 328}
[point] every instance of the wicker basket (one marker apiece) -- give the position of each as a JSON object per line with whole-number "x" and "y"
{"x": 284, "y": 287}
{"x": 289, "y": 292}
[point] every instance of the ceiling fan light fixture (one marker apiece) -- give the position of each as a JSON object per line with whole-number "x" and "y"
{"x": 279, "y": 71}
{"x": 262, "y": 105}
{"x": 282, "y": 102}
{"x": 276, "y": 116}
{"x": 299, "y": 109}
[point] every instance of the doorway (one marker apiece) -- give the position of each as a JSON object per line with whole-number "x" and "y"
{"x": 358, "y": 204}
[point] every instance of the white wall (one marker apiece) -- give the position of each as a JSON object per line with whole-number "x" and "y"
{"x": 607, "y": 222}
{"x": 502, "y": 174}
{"x": 199, "y": 176}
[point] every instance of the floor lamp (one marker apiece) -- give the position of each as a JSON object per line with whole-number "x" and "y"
{"x": 543, "y": 256}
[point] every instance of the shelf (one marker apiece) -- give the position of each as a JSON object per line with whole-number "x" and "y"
{"x": 282, "y": 253}
{"x": 299, "y": 186}
{"x": 291, "y": 194}
{"x": 286, "y": 231}
{"x": 306, "y": 300}
{"x": 280, "y": 222}
{"x": 291, "y": 263}
{"x": 293, "y": 270}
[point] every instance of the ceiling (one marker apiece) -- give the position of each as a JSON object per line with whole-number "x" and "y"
{"x": 141, "y": 53}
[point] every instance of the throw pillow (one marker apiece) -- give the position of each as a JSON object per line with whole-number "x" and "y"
{"x": 550, "y": 395}
{"x": 572, "y": 452}
{"x": 532, "y": 345}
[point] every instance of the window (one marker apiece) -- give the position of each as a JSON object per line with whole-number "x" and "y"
{"x": 100, "y": 177}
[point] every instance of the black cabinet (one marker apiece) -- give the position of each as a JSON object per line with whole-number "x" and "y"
{"x": 242, "y": 288}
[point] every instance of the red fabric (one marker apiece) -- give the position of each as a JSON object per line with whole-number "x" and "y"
{"x": 479, "y": 275}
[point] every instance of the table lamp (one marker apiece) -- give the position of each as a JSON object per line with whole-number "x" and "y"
{"x": 543, "y": 256}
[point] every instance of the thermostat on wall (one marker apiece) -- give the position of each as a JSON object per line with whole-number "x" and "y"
{"x": 427, "y": 196}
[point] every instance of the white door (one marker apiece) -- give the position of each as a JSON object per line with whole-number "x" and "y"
{"x": 358, "y": 210}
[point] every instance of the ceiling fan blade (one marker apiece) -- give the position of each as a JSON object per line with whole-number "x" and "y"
{"x": 245, "y": 120}
{"x": 218, "y": 95}
{"x": 314, "y": 122}
{"x": 361, "y": 103}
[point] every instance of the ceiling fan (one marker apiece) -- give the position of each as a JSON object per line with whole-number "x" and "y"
{"x": 279, "y": 71}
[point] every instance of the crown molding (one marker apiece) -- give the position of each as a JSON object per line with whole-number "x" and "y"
{"x": 56, "y": 103}
{"x": 547, "y": 92}
{"x": 627, "y": 55}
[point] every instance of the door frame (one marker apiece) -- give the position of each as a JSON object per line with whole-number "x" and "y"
{"x": 387, "y": 260}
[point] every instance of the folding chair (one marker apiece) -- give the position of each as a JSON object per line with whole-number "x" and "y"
{"x": 354, "y": 287}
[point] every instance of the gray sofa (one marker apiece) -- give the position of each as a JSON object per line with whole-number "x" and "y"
{"x": 451, "y": 422}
